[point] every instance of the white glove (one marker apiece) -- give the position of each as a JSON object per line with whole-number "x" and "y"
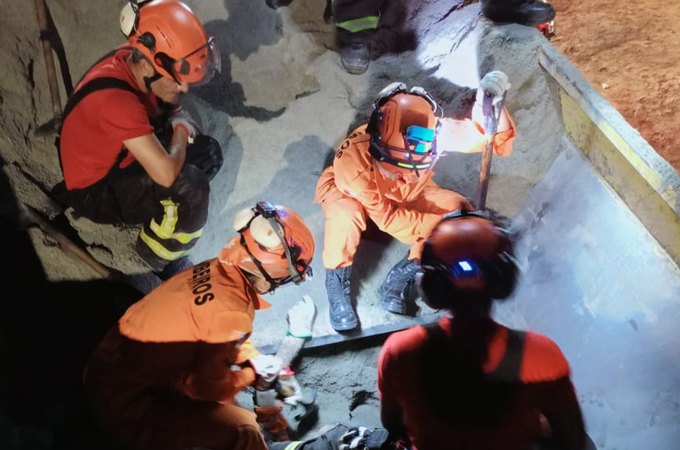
{"x": 301, "y": 318}
{"x": 267, "y": 368}
{"x": 181, "y": 118}
{"x": 495, "y": 82}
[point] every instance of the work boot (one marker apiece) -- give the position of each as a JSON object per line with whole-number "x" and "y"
{"x": 343, "y": 317}
{"x": 355, "y": 57}
{"x": 524, "y": 12}
{"x": 392, "y": 291}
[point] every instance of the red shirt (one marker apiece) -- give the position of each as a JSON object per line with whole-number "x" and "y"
{"x": 400, "y": 383}
{"x": 92, "y": 135}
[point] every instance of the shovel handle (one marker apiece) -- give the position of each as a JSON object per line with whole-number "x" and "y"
{"x": 491, "y": 117}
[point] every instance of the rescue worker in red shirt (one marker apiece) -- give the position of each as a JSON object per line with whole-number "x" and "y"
{"x": 468, "y": 382}
{"x": 383, "y": 172}
{"x": 128, "y": 152}
{"x": 166, "y": 376}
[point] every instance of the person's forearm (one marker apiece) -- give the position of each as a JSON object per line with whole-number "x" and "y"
{"x": 177, "y": 150}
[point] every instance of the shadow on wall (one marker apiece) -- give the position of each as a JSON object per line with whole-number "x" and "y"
{"x": 47, "y": 332}
{"x": 250, "y": 25}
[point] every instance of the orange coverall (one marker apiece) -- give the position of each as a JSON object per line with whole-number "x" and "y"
{"x": 166, "y": 376}
{"x": 353, "y": 188}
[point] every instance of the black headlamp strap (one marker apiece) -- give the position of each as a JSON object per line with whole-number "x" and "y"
{"x": 148, "y": 80}
{"x": 272, "y": 283}
{"x": 278, "y": 228}
{"x": 379, "y": 153}
{"x": 266, "y": 210}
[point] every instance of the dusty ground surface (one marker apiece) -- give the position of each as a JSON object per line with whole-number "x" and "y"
{"x": 628, "y": 51}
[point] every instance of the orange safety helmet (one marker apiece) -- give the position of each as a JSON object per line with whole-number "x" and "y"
{"x": 169, "y": 34}
{"x": 277, "y": 243}
{"x": 403, "y": 127}
{"x": 467, "y": 254}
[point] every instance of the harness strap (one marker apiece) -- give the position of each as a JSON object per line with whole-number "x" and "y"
{"x": 508, "y": 370}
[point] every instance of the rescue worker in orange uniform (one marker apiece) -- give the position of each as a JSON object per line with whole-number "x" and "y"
{"x": 129, "y": 153}
{"x": 166, "y": 376}
{"x": 468, "y": 382}
{"x": 383, "y": 172}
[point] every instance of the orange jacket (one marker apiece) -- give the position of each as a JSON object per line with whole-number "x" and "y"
{"x": 186, "y": 336}
{"x": 355, "y": 174}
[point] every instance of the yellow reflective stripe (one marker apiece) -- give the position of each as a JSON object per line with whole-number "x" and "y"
{"x": 169, "y": 221}
{"x": 360, "y": 24}
{"x": 159, "y": 250}
{"x": 183, "y": 238}
{"x": 293, "y": 445}
{"x": 166, "y": 229}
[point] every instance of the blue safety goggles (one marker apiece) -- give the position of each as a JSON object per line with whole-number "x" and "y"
{"x": 420, "y": 138}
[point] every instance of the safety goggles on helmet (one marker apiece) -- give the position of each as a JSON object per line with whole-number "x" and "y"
{"x": 298, "y": 270}
{"x": 198, "y": 67}
{"x": 420, "y": 138}
{"x": 400, "y": 88}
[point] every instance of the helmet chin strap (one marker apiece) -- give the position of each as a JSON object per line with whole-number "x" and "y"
{"x": 148, "y": 80}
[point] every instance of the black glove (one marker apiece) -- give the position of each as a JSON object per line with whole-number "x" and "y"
{"x": 206, "y": 154}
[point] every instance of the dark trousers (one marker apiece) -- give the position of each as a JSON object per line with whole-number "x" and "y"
{"x": 354, "y": 19}
{"x": 172, "y": 218}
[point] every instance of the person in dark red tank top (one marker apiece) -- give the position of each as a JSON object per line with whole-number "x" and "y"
{"x": 128, "y": 151}
{"x": 468, "y": 382}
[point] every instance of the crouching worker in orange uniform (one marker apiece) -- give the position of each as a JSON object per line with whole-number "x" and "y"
{"x": 383, "y": 172}
{"x": 468, "y": 382}
{"x": 166, "y": 376}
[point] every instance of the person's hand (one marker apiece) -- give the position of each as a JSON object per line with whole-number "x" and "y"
{"x": 267, "y": 368}
{"x": 496, "y": 83}
{"x": 182, "y": 119}
{"x": 301, "y": 318}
